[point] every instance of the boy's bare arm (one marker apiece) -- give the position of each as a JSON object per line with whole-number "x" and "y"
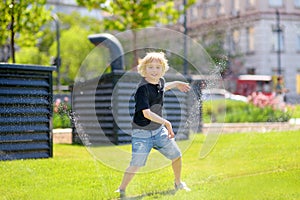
{"x": 158, "y": 119}
{"x": 182, "y": 86}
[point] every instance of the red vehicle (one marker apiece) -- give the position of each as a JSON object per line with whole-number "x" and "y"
{"x": 247, "y": 84}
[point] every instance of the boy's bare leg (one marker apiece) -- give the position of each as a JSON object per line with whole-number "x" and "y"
{"x": 176, "y": 165}
{"x": 128, "y": 175}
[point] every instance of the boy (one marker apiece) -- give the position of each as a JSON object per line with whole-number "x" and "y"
{"x": 149, "y": 128}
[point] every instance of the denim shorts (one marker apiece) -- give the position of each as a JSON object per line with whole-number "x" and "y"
{"x": 144, "y": 140}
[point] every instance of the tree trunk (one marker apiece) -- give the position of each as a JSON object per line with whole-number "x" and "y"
{"x": 12, "y": 31}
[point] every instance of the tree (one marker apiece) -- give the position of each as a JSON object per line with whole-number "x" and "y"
{"x": 74, "y": 45}
{"x": 66, "y": 21}
{"x": 74, "y": 49}
{"x": 23, "y": 19}
{"x": 214, "y": 45}
{"x": 75, "y": 19}
{"x": 32, "y": 55}
{"x": 135, "y": 14}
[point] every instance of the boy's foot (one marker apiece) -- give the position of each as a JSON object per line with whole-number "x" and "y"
{"x": 121, "y": 192}
{"x": 182, "y": 186}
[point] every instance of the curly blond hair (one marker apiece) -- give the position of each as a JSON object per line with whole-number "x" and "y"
{"x": 149, "y": 58}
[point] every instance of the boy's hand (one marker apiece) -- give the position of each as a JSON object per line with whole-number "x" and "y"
{"x": 183, "y": 87}
{"x": 171, "y": 134}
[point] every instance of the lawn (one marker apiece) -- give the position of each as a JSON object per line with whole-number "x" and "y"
{"x": 241, "y": 166}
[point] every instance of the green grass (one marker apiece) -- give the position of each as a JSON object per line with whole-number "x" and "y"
{"x": 241, "y": 166}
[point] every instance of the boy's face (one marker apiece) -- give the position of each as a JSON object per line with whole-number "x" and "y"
{"x": 153, "y": 71}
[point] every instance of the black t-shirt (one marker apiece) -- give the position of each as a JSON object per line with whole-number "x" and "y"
{"x": 148, "y": 96}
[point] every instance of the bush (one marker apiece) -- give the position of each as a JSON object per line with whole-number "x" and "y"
{"x": 295, "y": 111}
{"x": 61, "y": 113}
{"x": 230, "y": 111}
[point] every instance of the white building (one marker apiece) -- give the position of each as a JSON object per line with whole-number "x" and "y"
{"x": 249, "y": 28}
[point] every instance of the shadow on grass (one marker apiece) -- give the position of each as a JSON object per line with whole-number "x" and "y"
{"x": 162, "y": 193}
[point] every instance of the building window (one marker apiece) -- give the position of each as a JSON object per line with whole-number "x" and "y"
{"x": 234, "y": 41}
{"x": 236, "y": 36}
{"x": 297, "y": 38}
{"x": 251, "y": 70}
{"x": 207, "y": 10}
{"x": 221, "y": 7}
{"x": 204, "y": 14}
{"x": 235, "y": 7}
{"x": 298, "y": 42}
{"x": 250, "y": 39}
{"x": 275, "y": 3}
{"x": 277, "y": 39}
{"x": 297, "y": 3}
{"x": 298, "y": 81}
{"x": 194, "y": 12}
{"x": 251, "y": 3}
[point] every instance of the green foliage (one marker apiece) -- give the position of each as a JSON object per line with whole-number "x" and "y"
{"x": 61, "y": 121}
{"x": 74, "y": 45}
{"x": 133, "y": 14}
{"x": 128, "y": 15}
{"x": 295, "y": 111}
{"x": 74, "y": 49}
{"x": 214, "y": 45}
{"x": 24, "y": 19}
{"x": 61, "y": 113}
{"x": 237, "y": 111}
{"x": 32, "y": 55}
{"x": 5, "y": 20}
{"x": 67, "y": 21}
{"x": 75, "y": 19}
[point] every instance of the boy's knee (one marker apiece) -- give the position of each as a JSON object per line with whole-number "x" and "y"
{"x": 132, "y": 169}
{"x": 176, "y": 159}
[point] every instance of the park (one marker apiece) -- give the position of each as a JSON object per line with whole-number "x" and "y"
{"x": 67, "y": 108}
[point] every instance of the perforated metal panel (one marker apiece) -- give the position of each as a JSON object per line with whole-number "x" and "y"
{"x": 25, "y": 111}
{"x": 105, "y": 106}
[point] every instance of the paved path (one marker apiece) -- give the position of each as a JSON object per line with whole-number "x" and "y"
{"x": 248, "y": 127}
{"x": 64, "y": 136}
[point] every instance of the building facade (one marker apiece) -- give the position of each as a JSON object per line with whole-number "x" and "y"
{"x": 262, "y": 36}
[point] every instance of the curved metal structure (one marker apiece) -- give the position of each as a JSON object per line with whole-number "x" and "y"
{"x": 114, "y": 46}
